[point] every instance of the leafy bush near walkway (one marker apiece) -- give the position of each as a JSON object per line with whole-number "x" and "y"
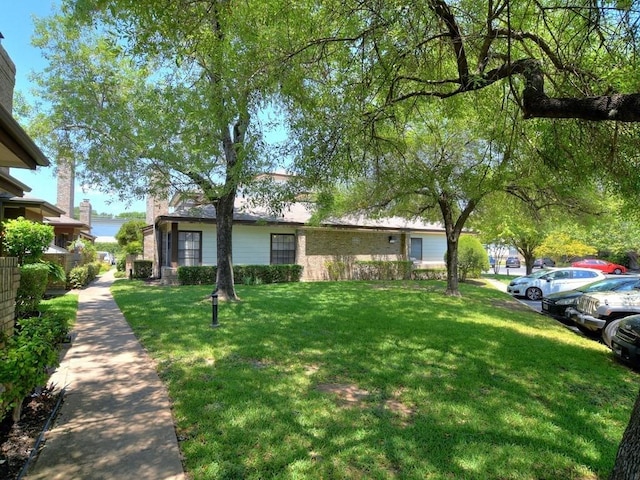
{"x": 27, "y": 355}
{"x": 380, "y": 380}
{"x": 80, "y": 277}
{"x": 34, "y": 278}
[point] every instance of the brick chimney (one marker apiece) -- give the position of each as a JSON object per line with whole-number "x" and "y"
{"x": 85, "y": 212}
{"x": 7, "y": 84}
{"x": 156, "y": 206}
{"x": 66, "y": 186}
{"x": 7, "y": 80}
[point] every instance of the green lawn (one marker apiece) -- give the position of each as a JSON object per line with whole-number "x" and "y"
{"x": 380, "y": 380}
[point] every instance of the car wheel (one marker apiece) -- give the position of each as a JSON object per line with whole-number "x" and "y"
{"x": 609, "y": 331}
{"x": 533, "y": 293}
{"x": 617, "y": 271}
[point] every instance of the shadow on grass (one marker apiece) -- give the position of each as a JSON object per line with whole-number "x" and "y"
{"x": 494, "y": 390}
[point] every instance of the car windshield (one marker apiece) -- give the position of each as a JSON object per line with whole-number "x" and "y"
{"x": 609, "y": 284}
{"x": 539, "y": 273}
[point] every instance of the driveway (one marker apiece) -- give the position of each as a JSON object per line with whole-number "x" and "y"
{"x": 535, "y": 305}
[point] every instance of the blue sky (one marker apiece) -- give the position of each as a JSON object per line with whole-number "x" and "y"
{"x": 16, "y": 24}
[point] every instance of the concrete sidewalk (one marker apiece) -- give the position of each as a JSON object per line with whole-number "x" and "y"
{"x": 115, "y": 422}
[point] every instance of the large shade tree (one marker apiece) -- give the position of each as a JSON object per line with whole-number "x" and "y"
{"x": 556, "y": 59}
{"x": 155, "y": 97}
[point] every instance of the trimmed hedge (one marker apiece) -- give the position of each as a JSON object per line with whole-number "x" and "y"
{"x": 204, "y": 275}
{"x": 382, "y": 270}
{"x": 429, "y": 274}
{"x": 34, "y": 278}
{"x": 142, "y": 268}
{"x": 244, "y": 274}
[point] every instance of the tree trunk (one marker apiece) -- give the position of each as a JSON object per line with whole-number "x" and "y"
{"x": 452, "y": 265}
{"x": 627, "y": 466}
{"x": 452, "y": 234}
{"x": 224, "y": 235}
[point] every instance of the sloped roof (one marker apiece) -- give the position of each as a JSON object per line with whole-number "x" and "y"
{"x": 66, "y": 221}
{"x": 37, "y": 205}
{"x": 12, "y": 185}
{"x": 297, "y": 214}
{"x": 16, "y": 147}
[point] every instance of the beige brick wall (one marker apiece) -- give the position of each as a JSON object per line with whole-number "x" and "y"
{"x": 9, "y": 281}
{"x": 316, "y": 247}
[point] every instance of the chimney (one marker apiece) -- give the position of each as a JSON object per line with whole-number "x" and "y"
{"x": 7, "y": 84}
{"x": 85, "y": 212}
{"x": 66, "y": 186}
{"x": 156, "y": 206}
{"x": 7, "y": 79}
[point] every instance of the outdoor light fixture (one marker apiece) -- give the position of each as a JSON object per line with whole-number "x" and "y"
{"x": 392, "y": 239}
{"x": 214, "y": 308}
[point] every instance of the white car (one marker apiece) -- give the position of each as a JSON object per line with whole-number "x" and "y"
{"x": 551, "y": 280}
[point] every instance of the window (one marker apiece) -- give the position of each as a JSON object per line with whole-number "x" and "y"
{"x": 62, "y": 240}
{"x": 283, "y": 249}
{"x": 416, "y": 249}
{"x": 189, "y": 251}
{"x": 584, "y": 274}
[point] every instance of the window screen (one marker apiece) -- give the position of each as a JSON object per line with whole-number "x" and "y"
{"x": 283, "y": 249}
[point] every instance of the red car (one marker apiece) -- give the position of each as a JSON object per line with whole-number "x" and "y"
{"x": 602, "y": 265}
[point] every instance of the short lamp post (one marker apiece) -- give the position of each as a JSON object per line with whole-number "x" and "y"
{"x": 214, "y": 309}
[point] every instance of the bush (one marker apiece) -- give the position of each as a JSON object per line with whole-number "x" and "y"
{"x": 256, "y": 274}
{"x": 242, "y": 274}
{"x": 26, "y": 357}
{"x": 472, "y": 258}
{"x": 121, "y": 263}
{"x": 337, "y": 270}
{"x": 204, "y": 275}
{"x": 142, "y": 268}
{"x": 34, "y": 278}
{"x": 382, "y": 270}
{"x": 429, "y": 274}
{"x": 25, "y": 239}
{"x": 80, "y": 277}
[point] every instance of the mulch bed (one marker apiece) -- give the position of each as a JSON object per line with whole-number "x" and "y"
{"x": 17, "y": 440}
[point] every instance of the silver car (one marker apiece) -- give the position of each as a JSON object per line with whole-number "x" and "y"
{"x": 551, "y": 280}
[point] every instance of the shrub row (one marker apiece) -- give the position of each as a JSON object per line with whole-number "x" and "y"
{"x": 429, "y": 274}
{"x": 246, "y": 274}
{"x": 142, "y": 268}
{"x": 26, "y": 357}
{"x": 382, "y": 270}
{"x": 80, "y": 277}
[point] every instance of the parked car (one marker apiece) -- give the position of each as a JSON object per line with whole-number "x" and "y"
{"x": 551, "y": 280}
{"x": 625, "y": 344}
{"x": 512, "y": 262}
{"x": 556, "y": 304}
{"x": 603, "y": 265}
{"x": 600, "y": 313}
{"x": 543, "y": 262}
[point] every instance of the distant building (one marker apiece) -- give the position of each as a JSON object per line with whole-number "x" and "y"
{"x": 105, "y": 228}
